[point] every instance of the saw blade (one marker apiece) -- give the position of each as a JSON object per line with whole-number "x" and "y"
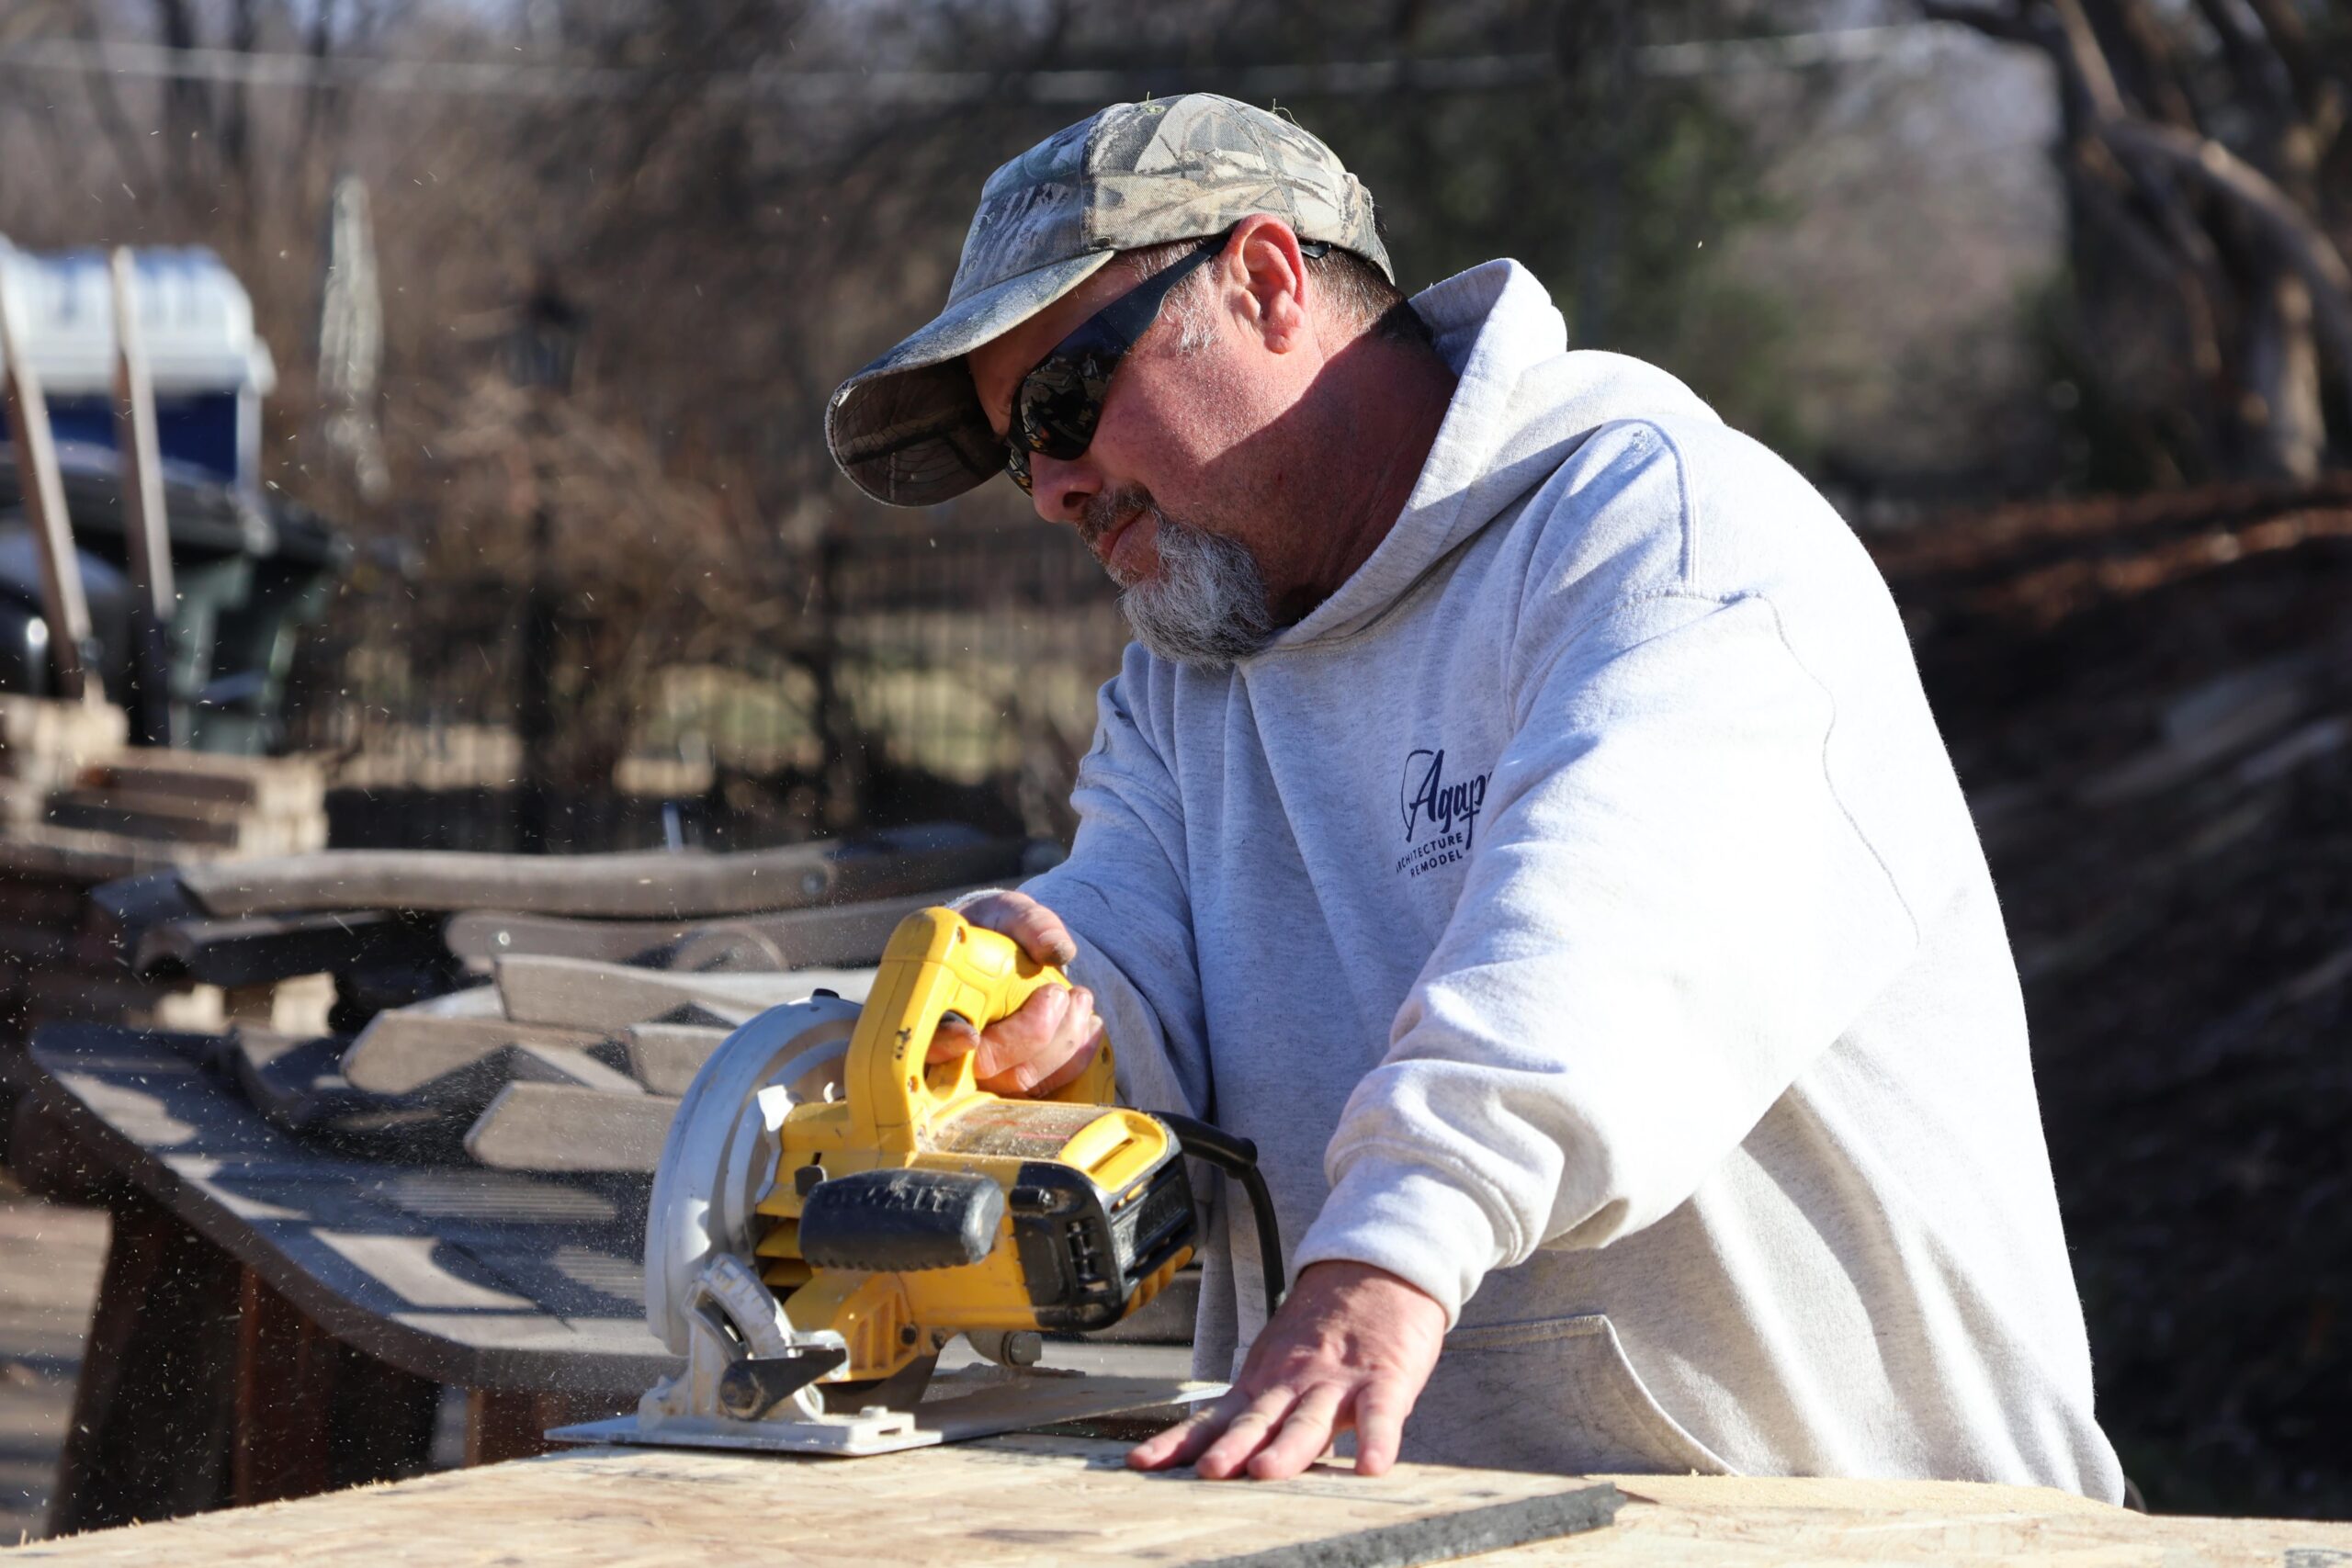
{"x": 720, "y": 1158}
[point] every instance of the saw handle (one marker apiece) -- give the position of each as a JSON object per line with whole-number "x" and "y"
{"x": 938, "y": 963}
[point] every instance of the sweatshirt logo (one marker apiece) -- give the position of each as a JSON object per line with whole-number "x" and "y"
{"x": 1441, "y": 814}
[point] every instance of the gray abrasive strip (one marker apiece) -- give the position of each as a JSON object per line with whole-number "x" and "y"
{"x": 1444, "y": 1537}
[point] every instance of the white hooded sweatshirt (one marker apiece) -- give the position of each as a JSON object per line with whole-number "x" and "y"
{"x": 1579, "y": 911}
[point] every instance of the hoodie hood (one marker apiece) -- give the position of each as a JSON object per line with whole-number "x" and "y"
{"x": 1524, "y": 401}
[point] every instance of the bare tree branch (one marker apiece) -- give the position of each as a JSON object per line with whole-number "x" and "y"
{"x": 2299, "y": 242}
{"x": 129, "y": 148}
{"x": 2152, "y": 66}
{"x": 2010, "y": 24}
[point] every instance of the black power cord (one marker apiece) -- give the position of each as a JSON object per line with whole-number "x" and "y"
{"x": 1238, "y": 1157}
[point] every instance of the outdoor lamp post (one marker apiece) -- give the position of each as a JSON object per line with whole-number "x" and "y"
{"x": 540, "y": 353}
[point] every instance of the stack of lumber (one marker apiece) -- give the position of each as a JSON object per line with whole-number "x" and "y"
{"x": 45, "y": 744}
{"x": 78, "y": 807}
{"x": 291, "y": 947}
{"x": 560, "y": 1066}
{"x": 527, "y": 1013}
{"x": 70, "y": 784}
{"x": 243, "y": 806}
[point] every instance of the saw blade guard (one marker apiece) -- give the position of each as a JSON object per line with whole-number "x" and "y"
{"x": 719, "y": 1159}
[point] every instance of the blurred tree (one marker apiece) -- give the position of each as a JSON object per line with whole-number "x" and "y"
{"x": 748, "y": 199}
{"x": 817, "y": 224}
{"x": 2206, "y": 177}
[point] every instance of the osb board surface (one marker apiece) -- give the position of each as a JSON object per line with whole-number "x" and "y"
{"x": 1043, "y": 1500}
{"x": 989, "y": 1504}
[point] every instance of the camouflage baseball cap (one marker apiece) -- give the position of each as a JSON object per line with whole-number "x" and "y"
{"x": 909, "y": 429}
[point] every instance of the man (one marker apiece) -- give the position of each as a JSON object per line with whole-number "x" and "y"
{"x": 1523, "y": 819}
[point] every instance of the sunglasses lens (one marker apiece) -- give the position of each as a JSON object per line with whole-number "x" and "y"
{"x": 1060, "y": 405}
{"x": 1016, "y": 467}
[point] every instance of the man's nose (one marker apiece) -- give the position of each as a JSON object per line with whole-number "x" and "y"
{"x": 1060, "y": 488}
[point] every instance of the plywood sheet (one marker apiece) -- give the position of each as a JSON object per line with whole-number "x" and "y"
{"x": 1066, "y": 1501}
{"x": 990, "y": 1504}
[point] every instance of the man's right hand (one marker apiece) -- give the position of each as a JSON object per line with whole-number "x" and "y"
{"x": 1049, "y": 1042}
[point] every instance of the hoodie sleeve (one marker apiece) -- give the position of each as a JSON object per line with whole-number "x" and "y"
{"x": 1123, "y": 894}
{"x": 1668, "y": 913}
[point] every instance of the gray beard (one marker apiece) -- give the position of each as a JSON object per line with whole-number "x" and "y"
{"x": 1206, "y": 606}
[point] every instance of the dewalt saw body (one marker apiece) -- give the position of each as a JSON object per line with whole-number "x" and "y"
{"x": 831, "y": 1210}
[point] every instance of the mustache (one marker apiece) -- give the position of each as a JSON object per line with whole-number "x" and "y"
{"x": 1108, "y": 509}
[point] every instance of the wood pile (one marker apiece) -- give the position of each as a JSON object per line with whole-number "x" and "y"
{"x": 451, "y": 1180}
{"x": 68, "y": 777}
{"x": 527, "y": 1012}
{"x": 2150, "y": 705}
{"x": 80, "y": 806}
{"x": 530, "y": 1015}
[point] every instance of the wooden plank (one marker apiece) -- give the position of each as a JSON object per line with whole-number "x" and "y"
{"x": 89, "y": 858}
{"x": 65, "y": 732}
{"x": 665, "y": 1057}
{"x": 657, "y": 885}
{"x": 564, "y": 1127}
{"x": 218, "y": 826}
{"x": 987, "y": 1505}
{"x": 94, "y": 855}
{"x": 434, "y": 1057}
{"x": 269, "y": 785}
{"x": 213, "y": 824}
{"x": 258, "y": 949}
{"x": 71, "y": 995}
{"x": 481, "y": 937}
{"x": 577, "y": 1069}
{"x": 836, "y": 936}
{"x": 579, "y": 993}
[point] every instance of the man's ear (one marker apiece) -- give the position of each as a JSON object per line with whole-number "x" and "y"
{"x": 1272, "y": 271}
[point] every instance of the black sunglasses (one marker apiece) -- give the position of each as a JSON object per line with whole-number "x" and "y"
{"x": 1058, "y": 403}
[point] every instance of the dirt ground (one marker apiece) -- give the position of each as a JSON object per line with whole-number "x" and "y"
{"x": 51, "y": 1258}
{"x": 2151, "y": 708}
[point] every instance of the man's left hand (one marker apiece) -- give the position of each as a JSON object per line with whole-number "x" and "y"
{"x": 1348, "y": 1350}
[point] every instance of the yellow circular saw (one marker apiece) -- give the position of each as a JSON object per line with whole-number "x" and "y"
{"x": 832, "y": 1209}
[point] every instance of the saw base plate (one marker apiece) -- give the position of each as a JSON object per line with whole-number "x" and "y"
{"x": 956, "y": 1407}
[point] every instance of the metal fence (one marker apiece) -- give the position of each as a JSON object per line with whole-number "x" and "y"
{"x": 922, "y": 672}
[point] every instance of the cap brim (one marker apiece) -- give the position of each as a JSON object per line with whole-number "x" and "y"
{"x": 908, "y": 429}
